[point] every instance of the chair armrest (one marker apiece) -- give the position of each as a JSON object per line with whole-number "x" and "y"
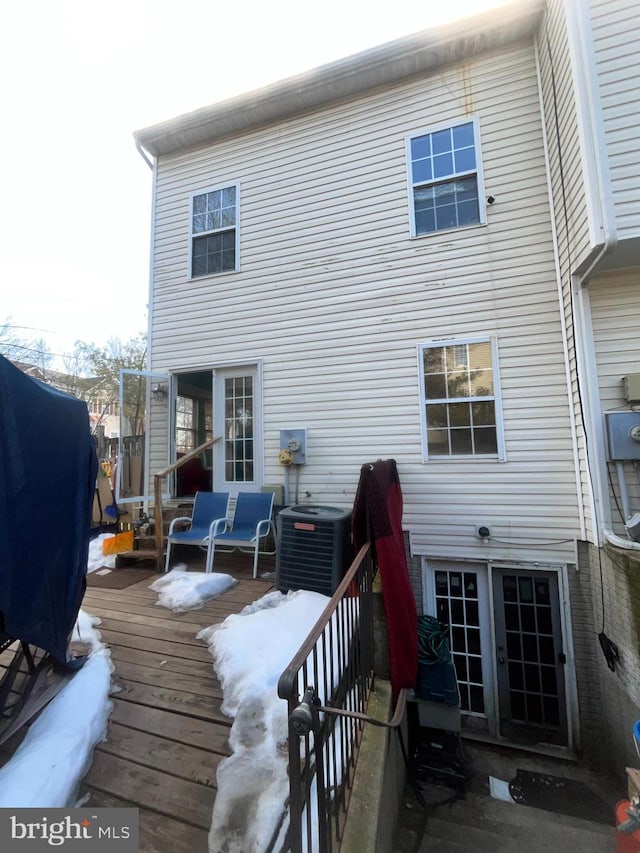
{"x": 176, "y": 520}
{"x": 260, "y": 524}
{"x": 214, "y": 527}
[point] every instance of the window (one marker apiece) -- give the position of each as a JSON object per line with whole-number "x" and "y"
{"x": 214, "y": 231}
{"x": 445, "y": 181}
{"x": 460, "y": 398}
{"x": 185, "y": 424}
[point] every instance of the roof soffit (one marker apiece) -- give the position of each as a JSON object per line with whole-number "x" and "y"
{"x": 380, "y": 67}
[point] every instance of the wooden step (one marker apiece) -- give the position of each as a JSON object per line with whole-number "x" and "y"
{"x": 137, "y": 555}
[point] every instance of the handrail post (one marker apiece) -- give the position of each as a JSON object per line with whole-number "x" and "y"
{"x": 158, "y": 520}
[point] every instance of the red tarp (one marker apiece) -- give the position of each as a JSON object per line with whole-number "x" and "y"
{"x": 377, "y": 515}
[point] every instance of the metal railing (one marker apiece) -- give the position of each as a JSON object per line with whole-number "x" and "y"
{"x": 327, "y": 686}
{"x": 157, "y": 491}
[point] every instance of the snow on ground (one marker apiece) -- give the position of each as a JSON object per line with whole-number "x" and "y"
{"x": 180, "y": 590}
{"x": 251, "y": 649}
{"x": 97, "y": 559}
{"x": 49, "y": 764}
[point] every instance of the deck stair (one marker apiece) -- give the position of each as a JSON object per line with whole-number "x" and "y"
{"x": 144, "y": 540}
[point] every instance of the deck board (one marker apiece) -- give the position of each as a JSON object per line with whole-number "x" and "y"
{"x": 166, "y": 733}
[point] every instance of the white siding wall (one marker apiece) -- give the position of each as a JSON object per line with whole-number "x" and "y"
{"x": 335, "y": 296}
{"x": 615, "y": 308}
{"x": 616, "y": 36}
{"x": 567, "y": 189}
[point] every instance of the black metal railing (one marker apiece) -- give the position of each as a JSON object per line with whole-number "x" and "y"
{"x": 332, "y": 670}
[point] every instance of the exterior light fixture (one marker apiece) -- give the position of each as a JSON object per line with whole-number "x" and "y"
{"x": 159, "y": 392}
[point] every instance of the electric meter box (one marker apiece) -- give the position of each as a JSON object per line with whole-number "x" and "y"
{"x": 623, "y": 435}
{"x": 631, "y": 384}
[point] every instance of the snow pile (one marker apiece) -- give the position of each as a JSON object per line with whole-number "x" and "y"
{"x": 180, "y": 590}
{"x": 97, "y": 559}
{"x": 57, "y": 751}
{"x": 251, "y": 649}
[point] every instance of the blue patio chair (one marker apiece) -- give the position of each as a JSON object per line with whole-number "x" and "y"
{"x": 209, "y": 508}
{"x": 251, "y": 523}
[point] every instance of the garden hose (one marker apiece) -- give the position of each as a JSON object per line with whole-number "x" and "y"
{"x": 433, "y": 641}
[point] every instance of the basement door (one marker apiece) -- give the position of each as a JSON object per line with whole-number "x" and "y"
{"x": 529, "y": 656}
{"x": 458, "y": 595}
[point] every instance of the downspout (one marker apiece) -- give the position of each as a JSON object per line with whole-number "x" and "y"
{"x": 591, "y": 127}
{"x": 153, "y": 165}
{"x": 143, "y": 154}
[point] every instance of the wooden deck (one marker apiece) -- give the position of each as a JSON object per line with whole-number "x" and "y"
{"x": 166, "y": 732}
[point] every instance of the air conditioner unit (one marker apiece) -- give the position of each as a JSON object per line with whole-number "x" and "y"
{"x": 314, "y": 548}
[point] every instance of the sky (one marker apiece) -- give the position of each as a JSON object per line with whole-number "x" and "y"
{"x": 79, "y": 77}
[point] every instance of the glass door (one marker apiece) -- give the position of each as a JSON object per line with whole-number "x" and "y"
{"x": 530, "y": 657}
{"x": 144, "y": 432}
{"x": 237, "y": 418}
{"x": 458, "y": 594}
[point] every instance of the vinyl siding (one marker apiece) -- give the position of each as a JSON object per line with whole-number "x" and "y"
{"x": 616, "y": 37}
{"x": 568, "y": 196}
{"x": 615, "y": 309}
{"x": 334, "y": 296}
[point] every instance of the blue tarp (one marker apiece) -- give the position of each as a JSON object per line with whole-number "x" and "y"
{"x": 48, "y": 469}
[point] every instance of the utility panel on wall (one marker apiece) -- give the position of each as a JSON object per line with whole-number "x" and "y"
{"x": 623, "y": 434}
{"x": 295, "y": 441}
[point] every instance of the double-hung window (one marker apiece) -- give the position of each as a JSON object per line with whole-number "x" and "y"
{"x": 460, "y": 398}
{"x": 214, "y": 230}
{"x": 445, "y": 178}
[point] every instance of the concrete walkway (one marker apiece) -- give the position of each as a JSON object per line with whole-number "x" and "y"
{"x": 475, "y": 821}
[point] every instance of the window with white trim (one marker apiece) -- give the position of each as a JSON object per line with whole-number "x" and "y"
{"x": 460, "y": 398}
{"x": 445, "y": 179}
{"x": 214, "y": 231}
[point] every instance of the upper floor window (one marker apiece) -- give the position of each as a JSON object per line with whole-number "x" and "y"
{"x": 460, "y": 398}
{"x": 214, "y": 231}
{"x": 445, "y": 180}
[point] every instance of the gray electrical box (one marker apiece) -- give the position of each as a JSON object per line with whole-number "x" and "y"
{"x": 295, "y": 441}
{"x": 623, "y": 435}
{"x": 631, "y": 384}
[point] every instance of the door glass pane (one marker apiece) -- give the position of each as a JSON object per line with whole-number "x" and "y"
{"x": 533, "y": 687}
{"x": 238, "y": 429}
{"x": 133, "y": 422}
{"x": 457, "y": 607}
{"x": 514, "y": 649}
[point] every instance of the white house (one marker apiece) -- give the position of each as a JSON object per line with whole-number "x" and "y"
{"x": 401, "y": 254}
{"x": 590, "y": 77}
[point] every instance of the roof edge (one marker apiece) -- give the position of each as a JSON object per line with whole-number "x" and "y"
{"x": 372, "y": 69}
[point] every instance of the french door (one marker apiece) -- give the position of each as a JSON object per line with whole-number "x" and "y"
{"x": 506, "y": 644}
{"x": 459, "y": 596}
{"x": 530, "y": 658}
{"x": 237, "y": 419}
{"x": 143, "y": 404}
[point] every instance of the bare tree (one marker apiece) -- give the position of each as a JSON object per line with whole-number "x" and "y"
{"x": 17, "y": 347}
